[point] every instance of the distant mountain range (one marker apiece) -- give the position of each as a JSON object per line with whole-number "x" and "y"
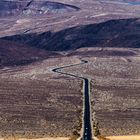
{"x": 26, "y": 47}
{"x": 26, "y": 7}
{"x": 132, "y": 0}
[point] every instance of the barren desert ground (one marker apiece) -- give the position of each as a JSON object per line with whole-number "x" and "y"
{"x": 36, "y": 102}
{"x": 115, "y": 88}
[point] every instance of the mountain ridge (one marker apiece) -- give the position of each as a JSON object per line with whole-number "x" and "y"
{"x": 105, "y": 34}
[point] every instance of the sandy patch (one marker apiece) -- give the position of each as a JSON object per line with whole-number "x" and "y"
{"x": 47, "y": 138}
{"x": 124, "y": 137}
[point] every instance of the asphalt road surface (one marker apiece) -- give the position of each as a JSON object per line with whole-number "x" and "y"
{"x": 87, "y": 132}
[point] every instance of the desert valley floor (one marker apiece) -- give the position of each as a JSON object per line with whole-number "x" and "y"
{"x": 49, "y": 104}
{"x": 37, "y": 37}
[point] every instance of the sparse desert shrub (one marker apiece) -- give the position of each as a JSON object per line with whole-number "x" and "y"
{"x": 96, "y": 129}
{"x": 75, "y": 135}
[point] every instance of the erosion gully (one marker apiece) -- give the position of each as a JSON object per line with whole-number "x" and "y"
{"x": 87, "y": 129}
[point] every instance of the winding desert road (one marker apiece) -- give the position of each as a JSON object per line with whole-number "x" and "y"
{"x": 87, "y": 129}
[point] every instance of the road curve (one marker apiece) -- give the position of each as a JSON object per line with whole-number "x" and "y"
{"x": 87, "y": 129}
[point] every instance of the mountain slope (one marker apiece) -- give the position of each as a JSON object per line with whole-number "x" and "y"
{"x": 124, "y": 33}
{"x": 12, "y": 53}
{"x": 43, "y": 7}
{"x": 26, "y": 7}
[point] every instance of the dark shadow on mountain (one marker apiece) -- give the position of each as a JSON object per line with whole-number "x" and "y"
{"x": 122, "y": 33}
